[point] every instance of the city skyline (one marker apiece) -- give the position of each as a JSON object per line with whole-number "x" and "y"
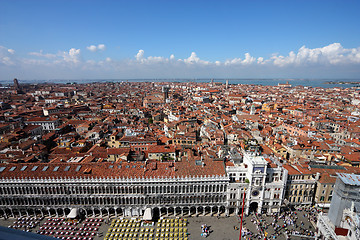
{"x": 161, "y": 39}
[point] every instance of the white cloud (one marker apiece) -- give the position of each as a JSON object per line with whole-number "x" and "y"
{"x": 194, "y": 59}
{"x": 233, "y": 61}
{"x": 41, "y": 54}
{"x": 140, "y": 58}
{"x": 73, "y": 56}
{"x": 332, "y": 54}
{"x": 328, "y": 61}
{"x": 140, "y": 55}
{"x": 7, "y": 56}
{"x": 93, "y": 48}
{"x": 248, "y": 59}
{"x": 101, "y": 47}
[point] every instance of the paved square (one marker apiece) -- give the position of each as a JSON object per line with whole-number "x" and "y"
{"x": 293, "y": 225}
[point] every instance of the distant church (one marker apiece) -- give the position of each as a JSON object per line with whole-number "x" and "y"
{"x": 17, "y": 87}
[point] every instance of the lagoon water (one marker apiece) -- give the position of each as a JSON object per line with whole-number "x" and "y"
{"x": 266, "y": 82}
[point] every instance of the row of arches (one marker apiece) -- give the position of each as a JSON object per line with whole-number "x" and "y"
{"x": 115, "y": 200}
{"x": 112, "y": 189}
{"x": 117, "y": 212}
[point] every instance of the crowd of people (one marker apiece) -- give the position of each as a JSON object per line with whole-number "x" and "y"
{"x": 286, "y": 223}
{"x": 205, "y": 230}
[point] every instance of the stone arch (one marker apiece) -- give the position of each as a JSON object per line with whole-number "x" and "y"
{"x": 253, "y": 207}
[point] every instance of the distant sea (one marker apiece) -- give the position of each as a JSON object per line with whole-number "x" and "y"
{"x": 324, "y": 83}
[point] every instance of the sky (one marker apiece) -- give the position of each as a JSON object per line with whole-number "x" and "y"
{"x": 63, "y": 39}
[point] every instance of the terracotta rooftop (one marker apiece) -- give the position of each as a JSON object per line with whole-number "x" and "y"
{"x": 106, "y": 169}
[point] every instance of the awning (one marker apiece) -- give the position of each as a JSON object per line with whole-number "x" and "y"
{"x": 73, "y": 213}
{"x": 147, "y": 214}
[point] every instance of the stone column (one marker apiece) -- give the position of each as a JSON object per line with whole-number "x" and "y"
{"x": 108, "y": 213}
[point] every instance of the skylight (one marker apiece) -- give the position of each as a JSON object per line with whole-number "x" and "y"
{"x": 45, "y": 168}
{"x": 23, "y": 168}
{"x": 12, "y": 169}
{"x": 67, "y": 168}
{"x": 78, "y": 168}
{"x": 56, "y": 168}
{"x": 34, "y": 168}
{"x": 2, "y": 169}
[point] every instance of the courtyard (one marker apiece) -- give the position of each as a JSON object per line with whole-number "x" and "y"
{"x": 297, "y": 224}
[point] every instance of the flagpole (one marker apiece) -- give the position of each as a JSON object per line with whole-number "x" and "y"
{"x": 242, "y": 213}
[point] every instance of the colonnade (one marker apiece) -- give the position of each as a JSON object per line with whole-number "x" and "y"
{"x": 107, "y": 212}
{"x": 104, "y": 196}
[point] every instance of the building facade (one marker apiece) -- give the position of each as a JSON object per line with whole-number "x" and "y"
{"x": 119, "y": 189}
{"x": 262, "y": 182}
{"x": 191, "y": 185}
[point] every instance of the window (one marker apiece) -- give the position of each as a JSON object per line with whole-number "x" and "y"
{"x": 45, "y": 168}
{"x": 67, "y": 168}
{"x": 2, "y": 169}
{"x": 34, "y": 168}
{"x": 78, "y": 168}
{"x": 12, "y": 169}
{"x": 23, "y": 168}
{"x": 56, "y": 168}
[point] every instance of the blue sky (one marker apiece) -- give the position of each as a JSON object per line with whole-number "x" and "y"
{"x": 174, "y": 39}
